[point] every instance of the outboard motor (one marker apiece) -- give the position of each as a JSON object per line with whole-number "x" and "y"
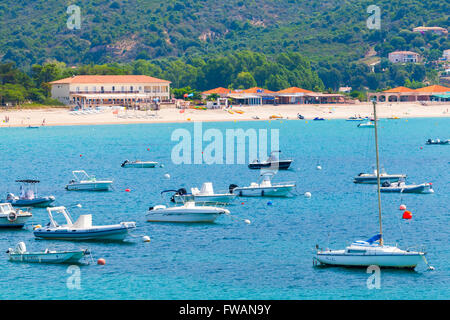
{"x": 182, "y": 191}
{"x": 150, "y": 209}
{"x": 10, "y": 196}
{"x": 232, "y": 187}
{"x": 124, "y": 163}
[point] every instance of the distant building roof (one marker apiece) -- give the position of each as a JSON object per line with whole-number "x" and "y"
{"x": 430, "y": 29}
{"x": 294, "y": 90}
{"x": 110, "y": 79}
{"x": 219, "y": 90}
{"x": 404, "y": 52}
{"x": 434, "y": 89}
{"x": 399, "y": 90}
{"x": 256, "y": 90}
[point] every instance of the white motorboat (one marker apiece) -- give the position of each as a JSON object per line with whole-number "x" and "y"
{"x": 368, "y": 124}
{"x": 272, "y": 163}
{"x": 372, "y": 251}
{"x": 20, "y": 254}
{"x": 139, "y": 164}
{"x": 82, "y": 229}
{"x": 11, "y": 218}
{"x": 371, "y": 178}
{"x": 29, "y": 196}
{"x": 205, "y": 195}
{"x": 83, "y": 182}
{"x": 189, "y": 212}
{"x": 402, "y": 187}
{"x": 265, "y": 188}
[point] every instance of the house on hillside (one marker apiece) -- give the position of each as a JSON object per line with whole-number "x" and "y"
{"x": 436, "y": 30}
{"x": 404, "y": 57}
{"x": 110, "y": 90}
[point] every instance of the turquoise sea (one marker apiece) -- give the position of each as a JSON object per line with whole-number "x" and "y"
{"x": 269, "y": 259}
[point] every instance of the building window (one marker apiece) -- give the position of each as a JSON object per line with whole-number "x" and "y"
{"x": 113, "y": 88}
{"x": 131, "y": 88}
{"x": 123, "y": 89}
{"x": 94, "y": 89}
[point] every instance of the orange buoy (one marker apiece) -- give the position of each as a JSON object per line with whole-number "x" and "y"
{"x": 81, "y": 155}
{"x": 101, "y": 261}
{"x": 402, "y": 207}
{"x": 407, "y": 215}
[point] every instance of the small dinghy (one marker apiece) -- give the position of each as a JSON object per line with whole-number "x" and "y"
{"x": 371, "y": 178}
{"x": 83, "y": 182}
{"x": 318, "y": 119}
{"x": 82, "y": 229}
{"x": 300, "y": 117}
{"x": 11, "y": 218}
{"x": 368, "y": 124}
{"x": 358, "y": 119}
{"x": 29, "y": 196}
{"x": 402, "y": 187}
{"x": 438, "y": 141}
{"x": 189, "y": 212}
{"x": 205, "y": 195}
{"x": 273, "y": 162}
{"x": 20, "y": 254}
{"x": 265, "y": 188}
{"x": 139, "y": 164}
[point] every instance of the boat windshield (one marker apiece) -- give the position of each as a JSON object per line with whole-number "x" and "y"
{"x": 5, "y": 208}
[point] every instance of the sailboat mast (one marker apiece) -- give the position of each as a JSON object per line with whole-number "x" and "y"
{"x": 378, "y": 170}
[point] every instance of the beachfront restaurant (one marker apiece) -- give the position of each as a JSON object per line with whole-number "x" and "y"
{"x": 402, "y": 94}
{"x": 292, "y": 95}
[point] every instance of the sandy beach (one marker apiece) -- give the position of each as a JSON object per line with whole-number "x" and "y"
{"x": 62, "y": 116}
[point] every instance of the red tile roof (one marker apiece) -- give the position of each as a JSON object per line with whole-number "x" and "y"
{"x": 256, "y": 90}
{"x": 434, "y": 89}
{"x": 294, "y": 90}
{"x": 219, "y": 90}
{"x": 399, "y": 90}
{"x": 110, "y": 79}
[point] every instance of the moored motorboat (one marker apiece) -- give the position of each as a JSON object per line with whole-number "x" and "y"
{"x": 273, "y": 162}
{"x": 368, "y": 124}
{"x": 83, "y": 182}
{"x": 371, "y": 178}
{"x": 402, "y": 187}
{"x": 20, "y": 254}
{"x": 139, "y": 164}
{"x": 11, "y": 218}
{"x": 82, "y": 229}
{"x": 188, "y": 212}
{"x": 205, "y": 195}
{"x": 318, "y": 119}
{"x": 438, "y": 141}
{"x": 29, "y": 196}
{"x": 265, "y": 188}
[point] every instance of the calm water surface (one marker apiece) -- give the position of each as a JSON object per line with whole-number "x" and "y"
{"x": 268, "y": 259}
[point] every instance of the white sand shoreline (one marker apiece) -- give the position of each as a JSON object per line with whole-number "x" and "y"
{"x": 62, "y": 117}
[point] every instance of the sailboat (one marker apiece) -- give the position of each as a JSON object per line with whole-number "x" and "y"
{"x": 372, "y": 251}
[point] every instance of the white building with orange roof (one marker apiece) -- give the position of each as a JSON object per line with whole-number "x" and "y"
{"x": 436, "y": 30}
{"x": 404, "y": 57}
{"x": 110, "y": 90}
{"x": 403, "y": 94}
{"x": 293, "y": 95}
{"x": 220, "y": 91}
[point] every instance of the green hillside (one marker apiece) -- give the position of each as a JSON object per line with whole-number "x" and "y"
{"x": 207, "y": 43}
{"x": 33, "y": 31}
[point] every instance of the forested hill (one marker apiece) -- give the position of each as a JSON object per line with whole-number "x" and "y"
{"x": 35, "y": 31}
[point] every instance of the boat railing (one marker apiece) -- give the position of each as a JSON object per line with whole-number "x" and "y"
{"x": 282, "y": 183}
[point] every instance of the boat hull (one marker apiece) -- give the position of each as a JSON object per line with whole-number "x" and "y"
{"x": 140, "y": 165}
{"x": 185, "y": 215}
{"x": 18, "y": 223}
{"x": 263, "y": 191}
{"x": 373, "y": 179}
{"x": 412, "y": 189}
{"x": 112, "y": 233}
{"x": 53, "y": 257}
{"x": 90, "y": 186}
{"x": 409, "y": 261}
{"x": 38, "y": 202}
{"x": 223, "y": 199}
{"x": 280, "y": 165}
